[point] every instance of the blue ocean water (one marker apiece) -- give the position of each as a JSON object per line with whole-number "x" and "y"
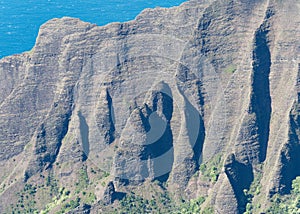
{"x": 21, "y": 19}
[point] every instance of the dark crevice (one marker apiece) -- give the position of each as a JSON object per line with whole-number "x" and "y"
{"x": 111, "y": 131}
{"x": 159, "y": 138}
{"x": 260, "y": 97}
{"x": 84, "y": 133}
{"x": 145, "y": 117}
{"x": 196, "y": 131}
{"x": 203, "y": 28}
{"x": 200, "y": 96}
{"x": 240, "y": 177}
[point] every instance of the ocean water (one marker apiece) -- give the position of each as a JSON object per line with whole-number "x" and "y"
{"x": 21, "y": 19}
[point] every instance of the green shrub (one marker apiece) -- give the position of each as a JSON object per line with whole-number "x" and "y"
{"x": 211, "y": 170}
{"x": 296, "y": 185}
{"x": 285, "y": 204}
{"x": 230, "y": 69}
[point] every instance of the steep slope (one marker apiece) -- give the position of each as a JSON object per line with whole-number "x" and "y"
{"x": 198, "y": 102}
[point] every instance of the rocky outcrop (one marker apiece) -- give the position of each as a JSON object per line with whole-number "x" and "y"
{"x": 146, "y": 143}
{"x": 287, "y": 167}
{"x": 152, "y": 99}
{"x": 110, "y": 194}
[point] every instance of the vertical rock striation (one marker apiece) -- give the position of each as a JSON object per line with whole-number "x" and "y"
{"x": 158, "y": 100}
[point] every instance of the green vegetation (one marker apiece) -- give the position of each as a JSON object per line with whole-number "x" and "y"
{"x": 2, "y": 188}
{"x": 161, "y": 203}
{"x": 191, "y": 207}
{"x": 83, "y": 180}
{"x": 208, "y": 210}
{"x": 254, "y": 190}
{"x": 89, "y": 198}
{"x": 31, "y": 198}
{"x": 211, "y": 170}
{"x": 296, "y": 186}
{"x": 136, "y": 204}
{"x": 57, "y": 200}
{"x": 106, "y": 174}
{"x": 70, "y": 206}
{"x": 26, "y": 200}
{"x": 51, "y": 182}
{"x": 230, "y": 69}
{"x": 288, "y": 203}
{"x": 50, "y": 197}
{"x": 68, "y": 202}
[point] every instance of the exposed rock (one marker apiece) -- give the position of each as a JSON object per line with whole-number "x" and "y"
{"x": 108, "y": 194}
{"x": 225, "y": 201}
{"x": 154, "y": 98}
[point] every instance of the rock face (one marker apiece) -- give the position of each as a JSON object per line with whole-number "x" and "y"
{"x": 154, "y": 98}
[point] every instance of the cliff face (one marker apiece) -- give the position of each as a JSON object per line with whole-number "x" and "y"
{"x": 209, "y": 87}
